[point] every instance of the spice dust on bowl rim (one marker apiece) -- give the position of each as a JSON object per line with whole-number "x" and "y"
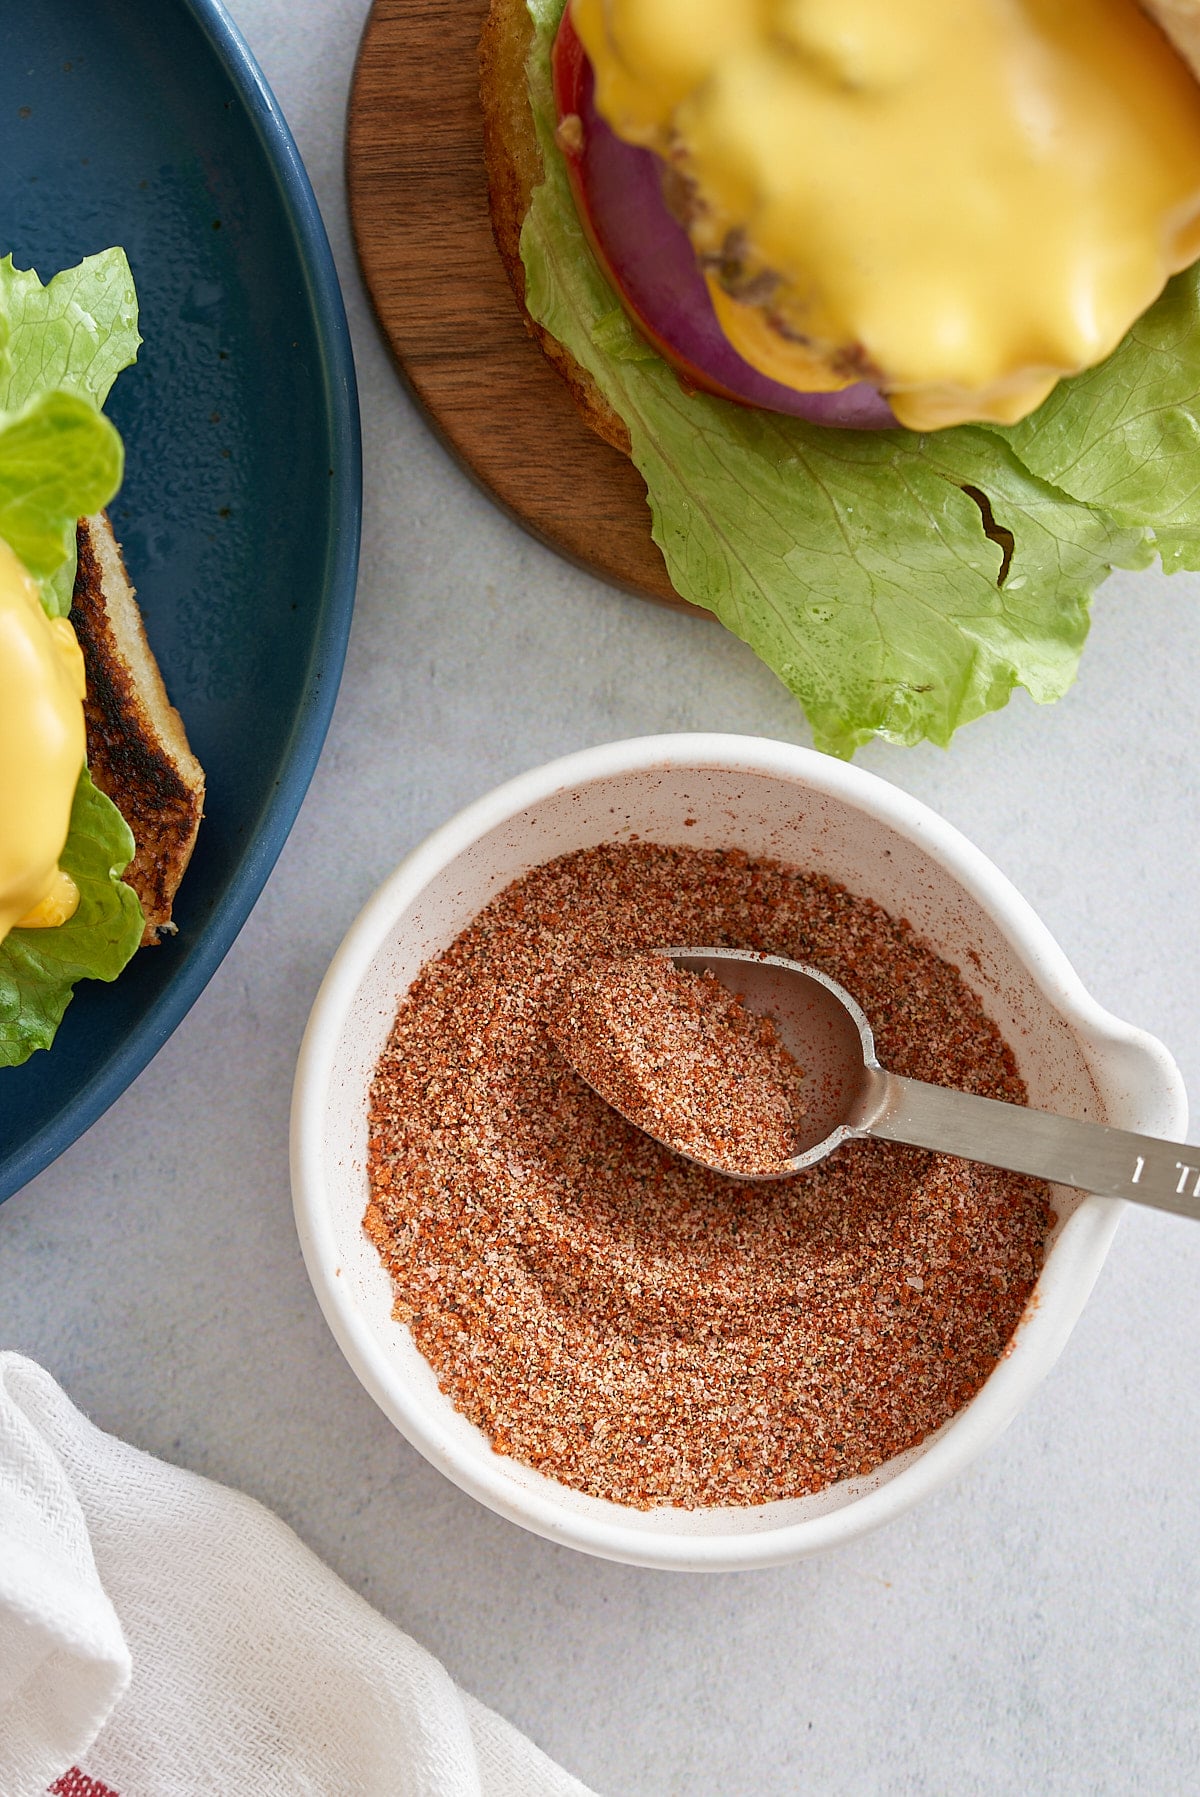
{"x": 770, "y": 800}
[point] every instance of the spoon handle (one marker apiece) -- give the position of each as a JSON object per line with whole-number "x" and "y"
{"x": 1115, "y": 1163}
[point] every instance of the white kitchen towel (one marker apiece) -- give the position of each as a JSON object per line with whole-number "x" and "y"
{"x": 162, "y": 1636}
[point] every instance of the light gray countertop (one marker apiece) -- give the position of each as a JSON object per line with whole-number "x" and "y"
{"x": 1033, "y": 1628}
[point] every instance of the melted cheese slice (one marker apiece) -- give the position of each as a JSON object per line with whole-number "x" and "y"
{"x": 961, "y": 200}
{"x": 42, "y": 748}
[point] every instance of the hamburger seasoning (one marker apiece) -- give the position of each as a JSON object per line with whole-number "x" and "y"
{"x": 681, "y": 1056}
{"x": 627, "y": 1322}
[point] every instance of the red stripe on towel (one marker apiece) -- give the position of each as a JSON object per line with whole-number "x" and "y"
{"x": 77, "y": 1784}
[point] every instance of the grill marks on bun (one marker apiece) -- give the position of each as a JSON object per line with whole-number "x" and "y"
{"x": 137, "y": 748}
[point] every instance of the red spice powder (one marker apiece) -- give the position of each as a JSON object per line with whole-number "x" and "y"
{"x": 681, "y": 1056}
{"x": 619, "y": 1318}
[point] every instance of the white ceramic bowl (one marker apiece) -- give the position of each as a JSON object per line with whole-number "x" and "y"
{"x": 768, "y": 798}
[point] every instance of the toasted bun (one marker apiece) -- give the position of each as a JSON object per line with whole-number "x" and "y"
{"x": 138, "y": 751}
{"x": 514, "y": 167}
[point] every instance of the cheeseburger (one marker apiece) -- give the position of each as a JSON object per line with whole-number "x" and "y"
{"x": 881, "y": 302}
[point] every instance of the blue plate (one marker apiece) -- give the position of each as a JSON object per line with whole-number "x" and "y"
{"x": 147, "y": 123}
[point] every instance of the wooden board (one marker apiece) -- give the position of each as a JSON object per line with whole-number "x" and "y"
{"x": 418, "y": 205}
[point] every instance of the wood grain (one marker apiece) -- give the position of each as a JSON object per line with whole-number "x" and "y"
{"x": 419, "y": 209}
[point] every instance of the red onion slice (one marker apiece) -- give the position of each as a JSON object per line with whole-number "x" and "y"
{"x": 648, "y": 256}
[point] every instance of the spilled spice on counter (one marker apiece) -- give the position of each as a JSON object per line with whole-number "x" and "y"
{"x": 681, "y": 1056}
{"x": 627, "y": 1322}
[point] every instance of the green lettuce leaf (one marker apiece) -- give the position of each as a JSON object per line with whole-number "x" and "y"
{"x": 75, "y": 334}
{"x": 39, "y": 968}
{"x": 1126, "y": 435}
{"x": 71, "y": 336}
{"x": 61, "y": 346}
{"x": 59, "y": 459}
{"x": 900, "y": 585}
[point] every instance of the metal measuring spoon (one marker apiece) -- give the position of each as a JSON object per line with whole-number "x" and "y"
{"x": 848, "y": 1095}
